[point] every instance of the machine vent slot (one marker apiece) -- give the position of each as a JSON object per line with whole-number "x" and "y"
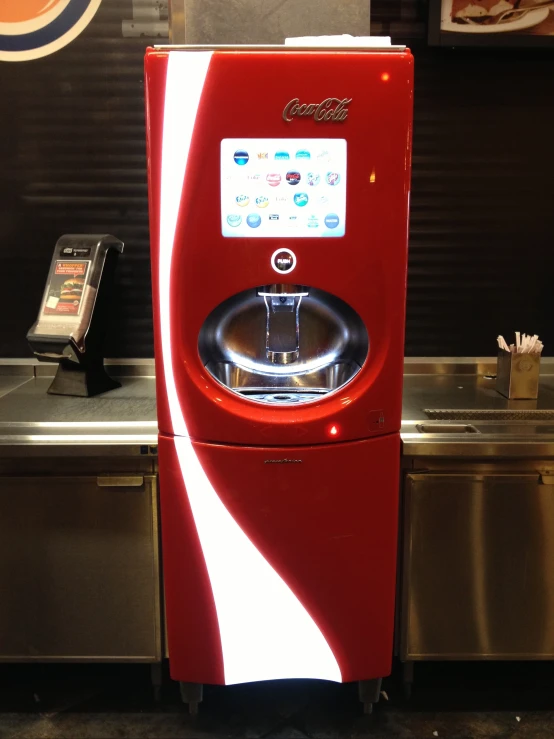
{"x": 491, "y": 415}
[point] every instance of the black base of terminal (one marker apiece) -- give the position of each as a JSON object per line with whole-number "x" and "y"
{"x": 82, "y": 381}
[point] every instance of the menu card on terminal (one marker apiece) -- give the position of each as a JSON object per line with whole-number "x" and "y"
{"x": 66, "y": 288}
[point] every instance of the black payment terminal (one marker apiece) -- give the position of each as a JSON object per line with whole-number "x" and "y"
{"x": 74, "y": 313}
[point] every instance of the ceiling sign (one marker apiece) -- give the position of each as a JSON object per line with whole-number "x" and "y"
{"x": 30, "y": 29}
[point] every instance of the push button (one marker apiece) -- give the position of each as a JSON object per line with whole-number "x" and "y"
{"x": 283, "y": 261}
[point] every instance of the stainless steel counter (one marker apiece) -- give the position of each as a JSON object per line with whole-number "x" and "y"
{"x": 477, "y": 529}
{"x": 122, "y": 422}
{"x": 477, "y": 498}
{"x": 449, "y": 412}
{"x": 79, "y": 534}
{"x": 7, "y": 384}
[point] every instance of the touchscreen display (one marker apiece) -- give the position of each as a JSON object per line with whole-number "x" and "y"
{"x": 283, "y": 188}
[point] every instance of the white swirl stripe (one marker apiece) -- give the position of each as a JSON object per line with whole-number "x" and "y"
{"x": 266, "y": 633}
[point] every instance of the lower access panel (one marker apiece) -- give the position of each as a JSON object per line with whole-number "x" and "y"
{"x": 279, "y": 562}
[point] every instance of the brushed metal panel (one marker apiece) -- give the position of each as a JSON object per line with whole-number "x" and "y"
{"x": 77, "y": 464}
{"x": 479, "y": 580}
{"x": 493, "y": 415}
{"x": 133, "y": 403}
{"x": 7, "y": 384}
{"x": 116, "y": 368}
{"x": 120, "y": 481}
{"x": 270, "y": 22}
{"x": 79, "y": 570}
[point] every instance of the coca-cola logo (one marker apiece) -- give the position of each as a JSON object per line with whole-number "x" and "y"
{"x": 332, "y": 109}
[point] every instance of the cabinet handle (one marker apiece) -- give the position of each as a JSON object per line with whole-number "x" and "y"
{"x": 120, "y": 481}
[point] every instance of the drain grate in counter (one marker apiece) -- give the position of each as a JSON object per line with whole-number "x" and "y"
{"x": 501, "y": 415}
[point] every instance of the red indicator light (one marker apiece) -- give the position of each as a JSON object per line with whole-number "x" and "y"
{"x": 385, "y": 76}
{"x": 333, "y": 431}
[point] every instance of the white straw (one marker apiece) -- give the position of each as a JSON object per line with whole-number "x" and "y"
{"x": 525, "y": 344}
{"x": 502, "y": 344}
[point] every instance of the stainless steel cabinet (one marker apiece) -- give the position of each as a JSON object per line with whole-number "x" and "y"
{"x": 478, "y": 567}
{"x": 79, "y": 568}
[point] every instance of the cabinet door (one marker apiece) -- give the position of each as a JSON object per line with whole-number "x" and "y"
{"x": 79, "y": 570}
{"x": 478, "y": 567}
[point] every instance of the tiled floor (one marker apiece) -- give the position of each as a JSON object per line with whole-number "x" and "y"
{"x": 449, "y": 701}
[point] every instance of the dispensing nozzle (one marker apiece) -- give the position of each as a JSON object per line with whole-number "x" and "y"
{"x": 283, "y": 325}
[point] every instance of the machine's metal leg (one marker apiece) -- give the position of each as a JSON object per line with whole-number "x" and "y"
{"x": 408, "y": 678}
{"x": 192, "y": 693}
{"x": 156, "y": 679}
{"x": 369, "y": 692}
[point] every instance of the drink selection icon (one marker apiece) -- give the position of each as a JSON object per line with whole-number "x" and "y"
{"x": 254, "y": 220}
{"x": 332, "y": 220}
{"x": 241, "y": 157}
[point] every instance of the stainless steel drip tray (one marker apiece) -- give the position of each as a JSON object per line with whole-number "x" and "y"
{"x": 322, "y": 379}
{"x": 444, "y": 414}
{"x": 283, "y": 398}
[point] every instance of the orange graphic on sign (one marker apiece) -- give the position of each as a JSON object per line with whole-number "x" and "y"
{"x": 19, "y": 11}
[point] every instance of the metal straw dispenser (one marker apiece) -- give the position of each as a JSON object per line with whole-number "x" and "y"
{"x": 517, "y": 376}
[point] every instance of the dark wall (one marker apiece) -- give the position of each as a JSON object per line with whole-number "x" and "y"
{"x": 73, "y": 161}
{"x": 481, "y": 246}
{"x": 482, "y": 221}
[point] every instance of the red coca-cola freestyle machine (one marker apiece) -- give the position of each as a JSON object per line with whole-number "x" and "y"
{"x": 279, "y": 184}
